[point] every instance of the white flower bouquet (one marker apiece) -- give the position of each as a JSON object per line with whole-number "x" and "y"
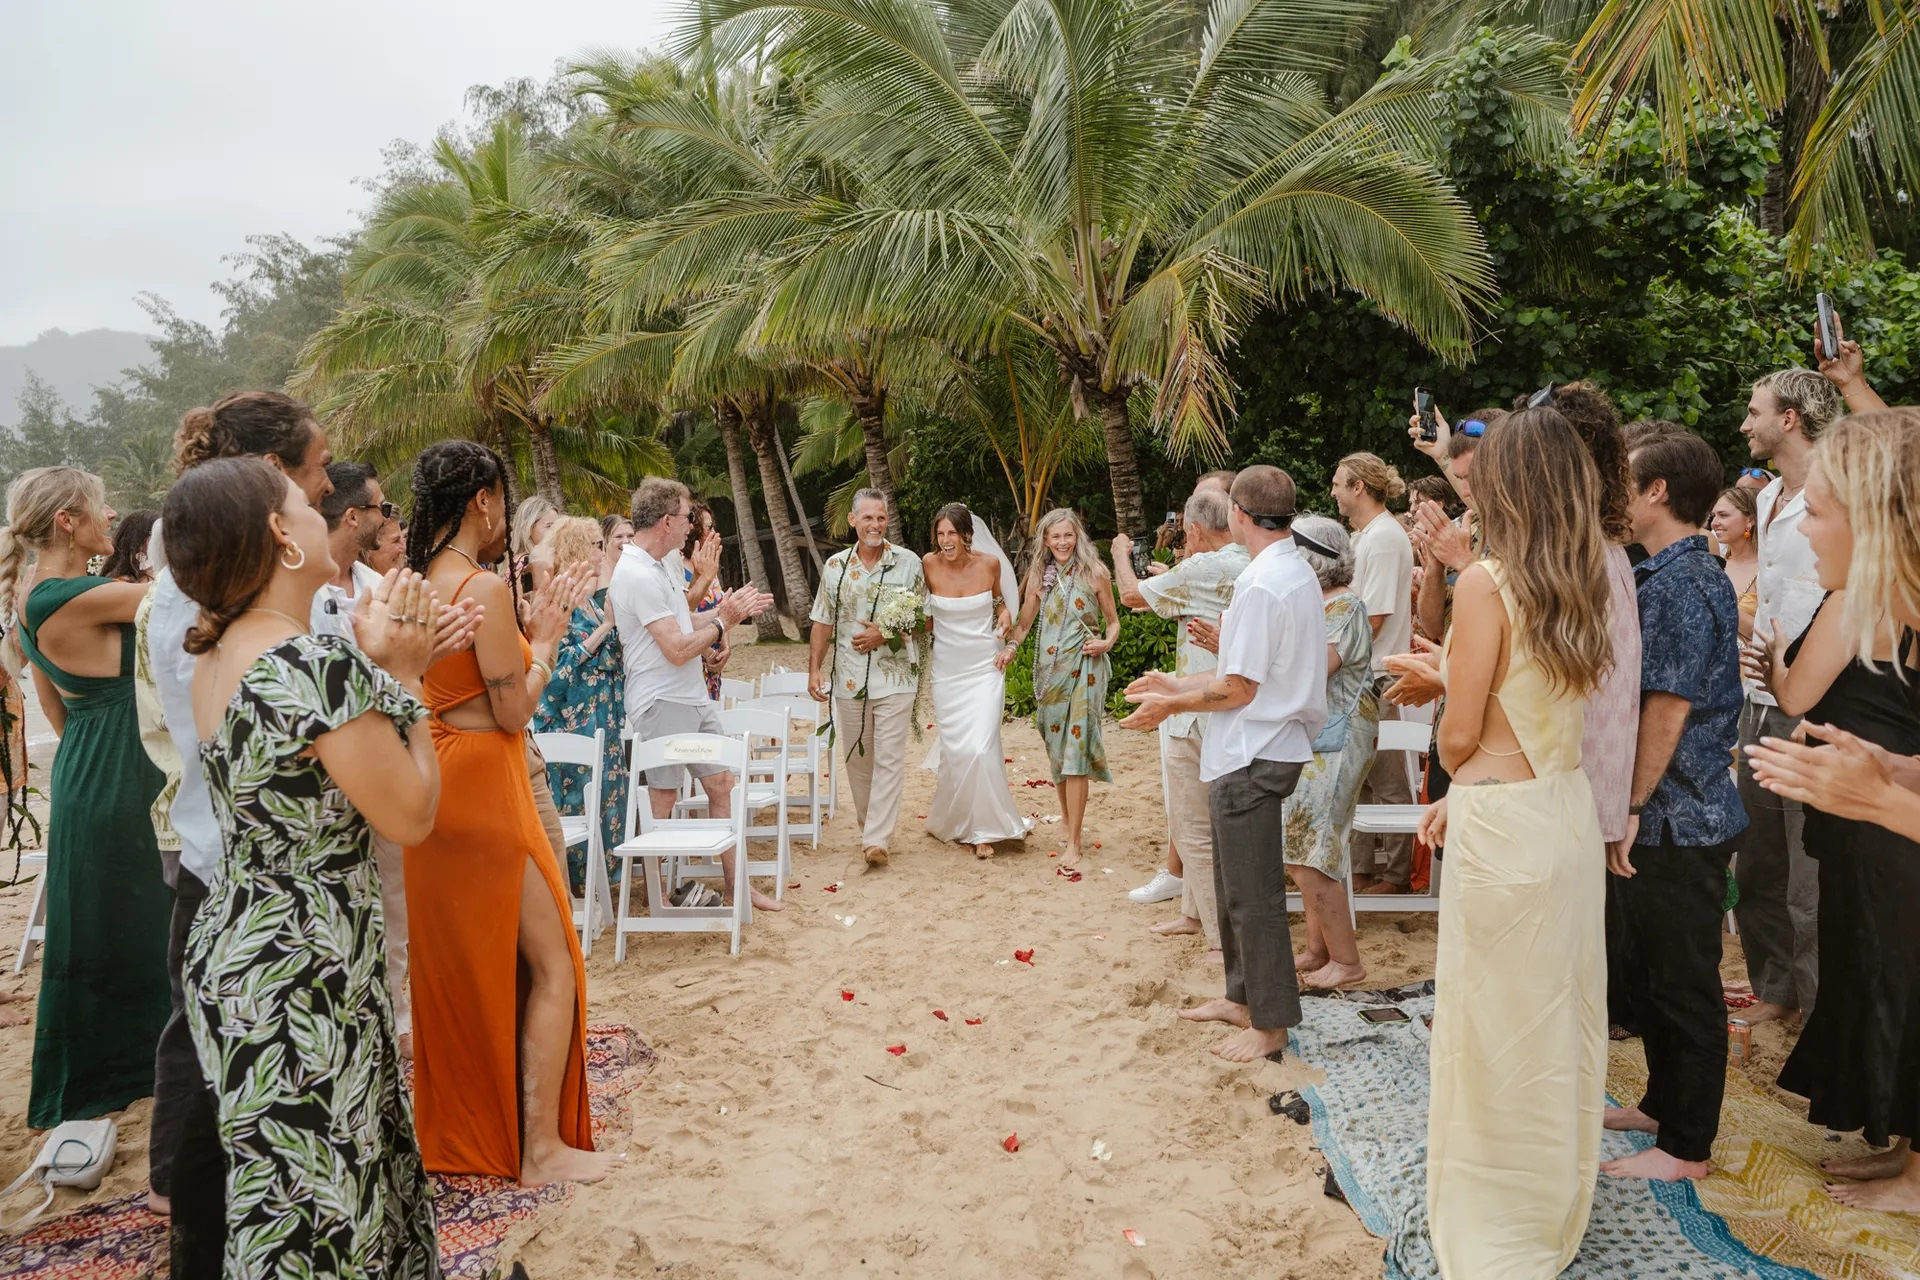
{"x": 897, "y": 613}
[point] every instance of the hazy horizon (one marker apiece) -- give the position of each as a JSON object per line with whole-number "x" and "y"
{"x": 148, "y": 143}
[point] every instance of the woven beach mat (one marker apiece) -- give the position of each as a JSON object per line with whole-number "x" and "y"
{"x": 481, "y": 1221}
{"x": 1761, "y": 1216}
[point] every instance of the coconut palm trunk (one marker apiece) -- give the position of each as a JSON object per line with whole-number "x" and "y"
{"x": 546, "y": 460}
{"x": 758, "y": 412}
{"x": 799, "y": 507}
{"x": 869, "y": 404}
{"x": 726, "y": 415}
{"x": 1123, "y": 464}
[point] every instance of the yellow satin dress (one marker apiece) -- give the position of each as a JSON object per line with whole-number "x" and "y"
{"x": 1519, "y": 1050}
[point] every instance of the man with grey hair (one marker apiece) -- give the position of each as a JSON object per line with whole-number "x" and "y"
{"x": 869, "y": 674}
{"x": 1779, "y": 884}
{"x": 1200, "y": 586}
{"x": 666, "y": 693}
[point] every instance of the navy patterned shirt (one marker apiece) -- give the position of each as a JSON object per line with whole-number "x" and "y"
{"x": 1690, "y": 647}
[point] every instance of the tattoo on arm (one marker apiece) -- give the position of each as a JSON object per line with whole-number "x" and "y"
{"x": 1212, "y": 695}
{"x": 501, "y": 683}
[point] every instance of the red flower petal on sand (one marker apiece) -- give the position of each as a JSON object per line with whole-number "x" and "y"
{"x": 846, "y": 995}
{"x": 830, "y": 888}
{"x": 1024, "y": 957}
{"x": 1073, "y": 877}
{"x": 1012, "y": 1142}
{"x": 896, "y": 1049}
{"x": 940, "y": 1014}
{"x": 974, "y": 1022}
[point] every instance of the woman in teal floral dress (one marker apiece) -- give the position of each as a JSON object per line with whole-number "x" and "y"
{"x": 1071, "y": 594}
{"x": 307, "y": 749}
{"x": 587, "y": 692}
{"x": 1319, "y": 814}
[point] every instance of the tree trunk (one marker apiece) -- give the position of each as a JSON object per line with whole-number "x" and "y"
{"x": 869, "y": 403}
{"x": 1807, "y": 89}
{"x": 759, "y": 418}
{"x": 546, "y": 462}
{"x": 726, "y": 415}
{"x": 1123, "y": 465}
{"x": 799, "y": 507}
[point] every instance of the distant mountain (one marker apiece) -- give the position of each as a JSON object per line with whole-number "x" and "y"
{"x": 71, "y": 363}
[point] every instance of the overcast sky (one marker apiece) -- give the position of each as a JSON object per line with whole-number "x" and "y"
{"x": 144, "y": 141}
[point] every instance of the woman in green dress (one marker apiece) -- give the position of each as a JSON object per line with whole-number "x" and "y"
{"x": 1071, "y": 594}
{"x": 103, "y": 984}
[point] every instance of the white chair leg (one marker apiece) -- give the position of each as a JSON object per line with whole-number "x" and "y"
{"x": 36, "y": 920}
{"x": 626, "y": 911}
{"x": 1353, "y": 917}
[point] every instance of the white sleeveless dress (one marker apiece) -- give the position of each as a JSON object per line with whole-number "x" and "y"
{"x": 971, "y": 802}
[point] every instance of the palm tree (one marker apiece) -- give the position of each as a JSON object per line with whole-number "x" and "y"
{"x": 1842, "y": 76}
{"x": 1122, "y": 181}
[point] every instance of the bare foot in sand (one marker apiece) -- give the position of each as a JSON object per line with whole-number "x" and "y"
{"x": 159, "y": 1204}
{"x": 561, "y": 1163}
{"x": 1333, "y": 974}
{"x": 1767, "y": 1011}
{"x": 1629, "y": 1119}
{"x": 1308, "y": 961}
{"x": 1655, "y": 1165}
{"x": 1212, "y": 957}
{"x": 1889, "y": 1193}
{"x": 1384, "y": 887}
{"x": 1886, "y": 1164}
{"x": 1070, "y": 856}
{"x": 1251, "y": 1045}
{"x": 1234, "y": 1015}
{"x": 983, "y": 851}
{"x": 1177, "y": 925}
{"x": 761, "y": 902}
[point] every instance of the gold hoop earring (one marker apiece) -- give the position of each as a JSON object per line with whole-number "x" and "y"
{"x": 291, "y": 565}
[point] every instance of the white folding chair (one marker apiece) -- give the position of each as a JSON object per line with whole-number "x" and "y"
{"x": 765, "y": 733}
{"x": 670, "y": 849}
{"x": 592, "y": 913}
{"x": 807, "y": 758}
{"x": 36, "y": 931}
{"x": 781, "y": 683}
{"x": 732, "y": 691}
{"x": 1412, "y": 738}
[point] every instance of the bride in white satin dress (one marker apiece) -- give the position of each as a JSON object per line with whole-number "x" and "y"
{"x": 969, "y": 582}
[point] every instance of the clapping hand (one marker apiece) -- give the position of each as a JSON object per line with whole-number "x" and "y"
{"x": 1763, "y": 657}
{"x": 1846, "y": 776}
{"x": 1205, "y": 634}
{"x": 706, "y": 557}
{"x": 742, "y": 603}
{"x": 1151, "y": 695}
{"x": 1420, "y": 680}
{"x": 457, "y": 625}
{"x": 393, "y": 624}
{"x": 550, "y": 608}
{"x": 1438, "y": 537}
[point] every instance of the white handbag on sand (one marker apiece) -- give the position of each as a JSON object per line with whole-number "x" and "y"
{"x": 76, "y": 1154}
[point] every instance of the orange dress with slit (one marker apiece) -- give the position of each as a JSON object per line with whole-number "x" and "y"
{"x": 463, "y": 910}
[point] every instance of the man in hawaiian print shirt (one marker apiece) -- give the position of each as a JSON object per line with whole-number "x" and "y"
{"x": 854, "y": 663}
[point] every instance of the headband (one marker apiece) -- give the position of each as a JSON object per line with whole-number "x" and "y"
{"x": 1319, "y": 549}
{"x": 1275, "y": 521}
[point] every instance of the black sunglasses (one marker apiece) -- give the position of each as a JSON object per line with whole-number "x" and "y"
{"x": 386, "y": 509}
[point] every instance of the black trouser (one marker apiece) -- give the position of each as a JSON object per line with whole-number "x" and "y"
{"x": 1622, "y": 961}
{"x": 188, "y": 1163}
{"x": 1671, "y": 917}
{"x": 1250, "y": 879}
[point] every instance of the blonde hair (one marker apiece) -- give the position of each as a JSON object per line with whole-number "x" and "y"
{"x": 1537, "y": 495}
{"x": 572, "y": 539}
{"x": 525, "y": 516}
{"x": 33, "y": 500}
{"x": 1871, "y": 466}
{"x": 1374, "y": 475}
{"x": 1808, "y": 394}
{"x": 1086, "y": 560}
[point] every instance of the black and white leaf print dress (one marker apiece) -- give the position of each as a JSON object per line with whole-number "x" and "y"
{"x": 287, "y": 990}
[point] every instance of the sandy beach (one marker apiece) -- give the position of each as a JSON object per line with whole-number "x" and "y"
{"x": 777, "y": 1135}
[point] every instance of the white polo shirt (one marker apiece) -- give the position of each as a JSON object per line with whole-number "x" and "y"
{"x": 1788, "y": 583}
{"x": 333, "y": 608}
{"x": 643, "y": 591}
{"x": 1383, "y": 578}
{"x": 1274, "y": 634}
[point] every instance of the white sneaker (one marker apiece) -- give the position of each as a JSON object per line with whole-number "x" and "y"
{"x": 1163, "y": 887}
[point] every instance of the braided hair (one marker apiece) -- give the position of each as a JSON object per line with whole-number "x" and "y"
{"x": 445, "y": 478}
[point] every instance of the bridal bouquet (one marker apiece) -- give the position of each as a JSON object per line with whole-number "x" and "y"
{"x": 898, "y": 612}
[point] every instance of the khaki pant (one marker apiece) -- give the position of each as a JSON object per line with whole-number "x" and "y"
{"x": 1190, "y": 827}
{"x": 1388, "y": 856}
{"x": 543, "y": 804}
{"x": 393, "y": 903}
{"x": 877, "y": 768}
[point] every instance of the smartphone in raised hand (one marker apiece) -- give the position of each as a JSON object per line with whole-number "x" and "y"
{"x": 1829, "y": 327}
{"x": 1429, "y": 420}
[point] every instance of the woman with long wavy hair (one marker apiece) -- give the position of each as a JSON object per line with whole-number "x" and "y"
{"x": 1519, "y": 1028}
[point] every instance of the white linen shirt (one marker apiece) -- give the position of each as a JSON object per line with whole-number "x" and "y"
{"x": 643, "y": 591}
{"x": 193, "y": 821}
{"x": 1383, "y": 577}
{"x": 1274, "y": 634}
{"x": 337, "y": 621}
{"x": 1788, "y": 583}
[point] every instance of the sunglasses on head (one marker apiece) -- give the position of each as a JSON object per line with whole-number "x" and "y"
{"x": 1756, "y": 473}
{"x": 1542, "y": 399}
{"x": 1472, "y": 427}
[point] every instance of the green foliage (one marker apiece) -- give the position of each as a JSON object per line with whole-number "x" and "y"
{"x": 1147, "y": 642}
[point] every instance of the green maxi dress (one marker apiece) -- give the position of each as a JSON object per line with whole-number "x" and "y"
{"x": 1070, "y": 688}
{"x": 103, "y": 983}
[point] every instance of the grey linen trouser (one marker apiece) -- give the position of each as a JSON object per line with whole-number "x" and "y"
{"x": 1250, "y": 879}
{"x": 1779, "y": 905}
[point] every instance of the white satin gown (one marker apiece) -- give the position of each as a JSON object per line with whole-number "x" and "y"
{"x": 971, "y": 801}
